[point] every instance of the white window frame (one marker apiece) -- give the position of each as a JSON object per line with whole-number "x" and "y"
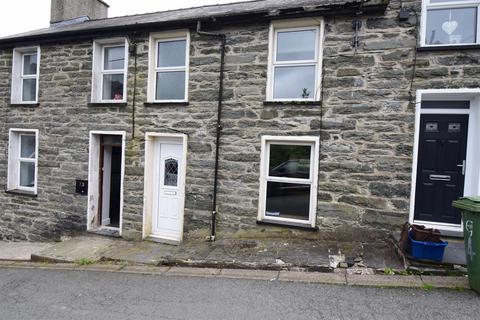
{"x": 314, "y": 142}
{"x": 98, "y": 70}
{"x": 14, "y": 159}
{"x": 18, "y": 74}
{"x": 426, "y": 5}
{"x": 153, "y": 69}
{"x": 295, "y": 25}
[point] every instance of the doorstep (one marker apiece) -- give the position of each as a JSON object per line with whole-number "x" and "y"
{"x": 453, "y": 262}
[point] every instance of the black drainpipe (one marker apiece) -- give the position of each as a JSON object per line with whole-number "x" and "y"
{"x": 219, "y": 124}
{"x": 132, "y": 42}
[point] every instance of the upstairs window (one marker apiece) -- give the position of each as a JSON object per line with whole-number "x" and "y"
{"x": 25, "y": 75}
{"x": 110, "y": 62}
{"x": 168, "y": 70}
{"x": 295, "y": 60}
{"x": 450, "y": 22}
{"x": 23, "y": 160}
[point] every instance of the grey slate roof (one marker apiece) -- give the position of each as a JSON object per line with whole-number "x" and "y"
{"x": 184, "y": 15}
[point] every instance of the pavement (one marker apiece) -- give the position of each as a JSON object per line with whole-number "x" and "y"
{"x": 339, "y": 276}
{"x": 268, "y": 254}
{"x": 132, "y": 292}
{"x": 362, "y": 264}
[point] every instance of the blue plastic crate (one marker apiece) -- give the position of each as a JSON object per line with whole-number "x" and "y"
{"x": 426, "y": 250}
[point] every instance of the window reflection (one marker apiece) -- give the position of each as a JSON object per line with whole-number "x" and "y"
{"x": 289, "y": 161}
{"x": 451, "y": 26}
{"x": 288, "y": 200}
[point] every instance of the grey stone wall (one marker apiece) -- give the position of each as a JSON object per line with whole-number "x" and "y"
{"x": 365, "y": 123}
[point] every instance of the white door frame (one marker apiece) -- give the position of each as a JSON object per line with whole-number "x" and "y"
{"x": 94, "y": 174}
{"x": 472, "y": 172}
{"x": 150, "y": 189}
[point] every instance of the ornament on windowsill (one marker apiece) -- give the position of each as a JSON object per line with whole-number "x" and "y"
{"x": 449, "y": 27}
{"x": 305, "y": 93}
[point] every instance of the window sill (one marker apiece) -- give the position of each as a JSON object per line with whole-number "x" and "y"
{"x": 160, "y": 104}
{"x": 287, "y": 224}
{"x": 107, "y": 104}
{"x": 443, "y": 48}
{"x": 22, "y": 193}
{"x": 290, "y": 103}
{"x": 24, "y": 105}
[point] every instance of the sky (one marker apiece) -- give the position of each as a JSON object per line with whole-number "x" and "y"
{"x": 18, "y": 16}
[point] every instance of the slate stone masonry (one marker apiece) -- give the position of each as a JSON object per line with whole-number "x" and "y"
{"x": 365, "y": 122}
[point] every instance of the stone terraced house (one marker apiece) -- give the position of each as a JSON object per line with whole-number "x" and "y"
{"x": 270, "y": 118}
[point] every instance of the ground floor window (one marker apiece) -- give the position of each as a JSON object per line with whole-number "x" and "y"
{"x": 288, "y": 186}
{"x": 22, "y": 160}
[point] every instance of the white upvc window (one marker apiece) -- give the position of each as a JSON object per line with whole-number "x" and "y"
{"x": 450, "y": 23}
{"x": 289, "y": 180}
{"x": 25, "y": 73}
{"x": 295, "y": 60}
{"x": 168, "y": 66}
{"x": 109, "y": 76}
{"x": 23, "y": 160}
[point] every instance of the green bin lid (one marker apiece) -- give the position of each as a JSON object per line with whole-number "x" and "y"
{"x": 471, "y": 204}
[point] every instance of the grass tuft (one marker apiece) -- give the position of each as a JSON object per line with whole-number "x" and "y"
{"x": 427, "y": 287}
{"x": 84, "y": 262}
{"x": 388, "y": 271}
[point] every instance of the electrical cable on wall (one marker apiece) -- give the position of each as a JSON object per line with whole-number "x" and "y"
{"x": 414, "y": 66}
{"x": 132, "y": 41}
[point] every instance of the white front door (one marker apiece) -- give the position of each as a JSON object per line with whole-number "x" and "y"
{"x": 168, "y": 213}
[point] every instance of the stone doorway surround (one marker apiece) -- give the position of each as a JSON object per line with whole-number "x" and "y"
{"x": 472, "y": 171}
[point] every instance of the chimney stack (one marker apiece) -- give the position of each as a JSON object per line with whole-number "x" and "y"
{"x": 63, "y": 10}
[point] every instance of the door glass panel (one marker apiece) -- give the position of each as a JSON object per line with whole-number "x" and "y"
{"x": 458, "y": 104}
{"x": 112, "y": 140}
{"x": 27, "y": 174}
{"x": 294, "y": 82}
{"x": 27, "y": 146}
{"x": 454, "y": 127}
{"x": 431, "y": 127}
{"x": 172, "y": 53}
{"x": 114, "y": 58}
{"x": 113, "y": 87}
{"x": 296, "y": 45}
{"x": 451, "y": 26}
{"x": 288, "y": 200}
{"x": 171, "y": 173}
{"x": 289, "y": 161}
{"x": 440, "y": 1}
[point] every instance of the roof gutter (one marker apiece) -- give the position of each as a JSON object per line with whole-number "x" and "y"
{"x": 368, "y": 6}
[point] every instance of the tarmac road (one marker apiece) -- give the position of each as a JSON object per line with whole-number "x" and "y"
{"x": 57, "y": 294}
